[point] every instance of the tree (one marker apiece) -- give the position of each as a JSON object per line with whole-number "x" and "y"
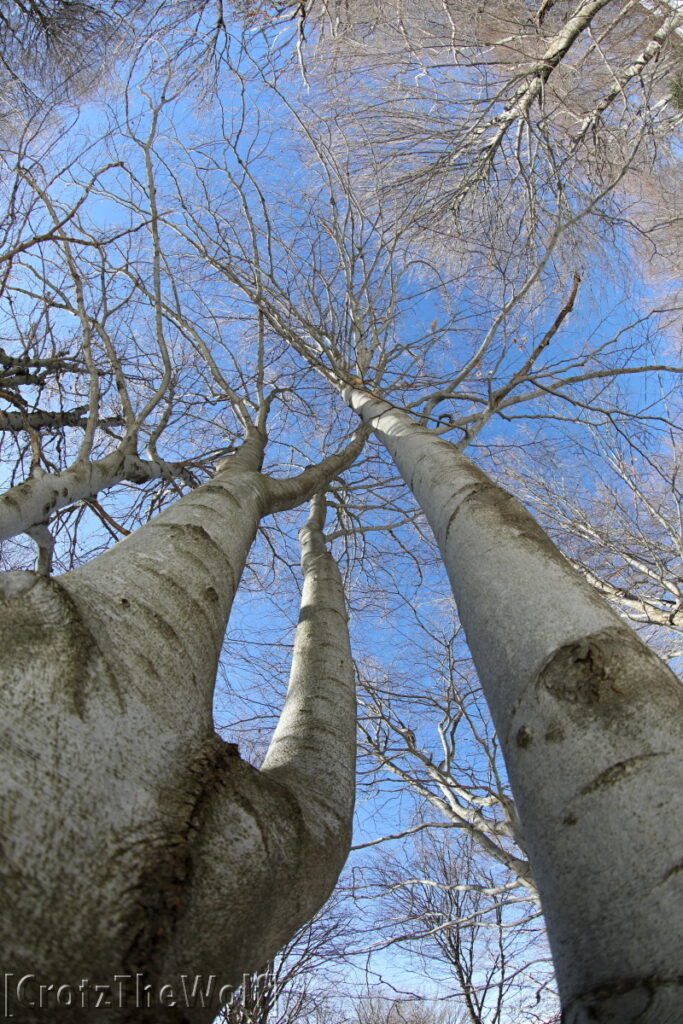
{"x": 377, "y": 1007}
{"x": 133, "y": 879}
{"x": 415, "y": 470}
{"x": 288, "y": 989}
{"x": 53, "y": 52}
{"x": 623, "y": 531}
{"x": 321, "y": 287}
{"x": 452, "y": 884}
{"x": 472, "y": 933}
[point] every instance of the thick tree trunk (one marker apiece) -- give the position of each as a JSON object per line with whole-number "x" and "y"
{"x": 591, "y": 724}
{"x": 135, "y": 842}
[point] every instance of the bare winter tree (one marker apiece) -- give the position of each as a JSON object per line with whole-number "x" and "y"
{"x": 82, "y": 396}
{"x": 571, "y": 677}
{"x": 132, "y": 830}
{"x": 144, "y": 866}
{"x": 556, "y": 664}
{"x": 437, "y": 759}
{"x": 92, "y": 313}
{"x": 55, "y": 51}
{"x": 554, "y": 661}
{"x": 382, "y": 1007}
{"x": 458, "y": 860}
{"x": 464, "y": 104}
{"x": 478, "y": 944}
{"x": 293, "y": 986}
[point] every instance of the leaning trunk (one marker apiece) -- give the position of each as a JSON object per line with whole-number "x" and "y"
{"x": 138, "y": 849}
{"x": 591, "y": 725}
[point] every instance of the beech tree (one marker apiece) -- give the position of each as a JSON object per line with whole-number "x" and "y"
{"x": 153, "y": 788}
{"x": 296, "y": 984}
{"x": 201, "y": 304}
{"x": 554, "y": 679}
{"x": 474, "y": 938}
{"x": 135, "y": 889}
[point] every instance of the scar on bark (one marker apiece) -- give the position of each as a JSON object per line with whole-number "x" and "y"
{"x": 619, "y": 771}
{"x": 524, "y": 737}
{"x": 603, "y": 672}
{"x": 595, "y": 1004}
{"x": 488, "y": 497}
{"x": 587, "y": 671}
{"x": 554, "y": 733}
{"x": 672, "y": 872}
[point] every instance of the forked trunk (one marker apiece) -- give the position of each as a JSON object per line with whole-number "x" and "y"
{"x": 138, "y": 849}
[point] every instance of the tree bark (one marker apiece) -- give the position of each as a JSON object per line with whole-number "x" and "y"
{"x": 136, "y": 842}
{"x": 313, "y": 749}
{"x": 591, "y": 725}
{"x": 33, "y": 502}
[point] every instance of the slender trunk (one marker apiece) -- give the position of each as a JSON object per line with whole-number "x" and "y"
{"x": 591, "y": 725}
{"x": 313, "y": 749}
{"x": 134, "y": 840}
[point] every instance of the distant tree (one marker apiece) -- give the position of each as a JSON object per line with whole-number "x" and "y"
{"x": 291, "y": 988}
{"x": 381, "y": 1007}
{"x": 613, "y": 504}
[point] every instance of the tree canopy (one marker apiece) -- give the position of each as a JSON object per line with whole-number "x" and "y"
{"x": 257, "y": 254}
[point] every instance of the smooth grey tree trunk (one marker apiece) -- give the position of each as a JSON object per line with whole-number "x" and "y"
{"x": 136, "y": 842}
{"x": 313, "y": 748}
{"x": 591, "y": 725}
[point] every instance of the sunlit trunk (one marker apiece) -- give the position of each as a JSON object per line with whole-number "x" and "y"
{"x": 591, "y": 724}
{"x": 313, "y": 749}
{"x": 136, "y": 842}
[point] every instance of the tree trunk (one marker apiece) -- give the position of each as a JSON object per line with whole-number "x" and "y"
{"x": 313, "y": 749}
{"x": 136, "y": 842}
{"x": 591, "y": 725}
